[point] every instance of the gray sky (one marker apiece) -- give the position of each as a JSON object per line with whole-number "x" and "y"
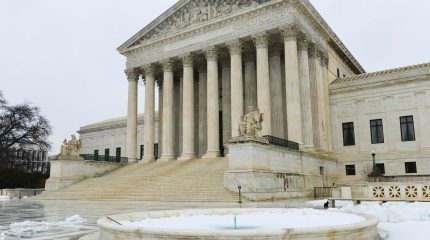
{"x": 61, "y": 54}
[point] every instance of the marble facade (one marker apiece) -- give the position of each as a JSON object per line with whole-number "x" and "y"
{"x": 272, "y": 54}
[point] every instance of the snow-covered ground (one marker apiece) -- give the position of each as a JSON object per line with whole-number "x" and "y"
{"x": 397, "y": 220}
{"x": 264, "y": 219}
{"x": 29, "y": 229}
{"x": 4, "y": 198}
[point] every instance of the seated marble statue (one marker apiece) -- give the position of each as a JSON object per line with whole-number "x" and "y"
{"x": 250, "y": 123}
{"x": 70, "y": 149}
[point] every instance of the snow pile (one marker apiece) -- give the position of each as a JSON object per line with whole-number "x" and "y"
{"x": 263, "y": 219}
{"x": 393, "y": 212}
{"x": 4, "y": 198}
{"x": 30, "y": 228}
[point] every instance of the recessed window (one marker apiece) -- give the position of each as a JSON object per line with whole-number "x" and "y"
{"x": 376, "y": 131}
{"x": 350, "y": 170}
{"x": 107, "y": 154}
{"x": 348, "y": 134}
{"x": 142, "y": 148}
{"x": 380, "y": 168}
{"x": 338, "y": 73}
{"x": 407, "y": 128}
{"x": 156, "y": 150}
{"x": 96, "y": 155}
{"x": 118, "y": 154}
{"x": 410, "y": 167}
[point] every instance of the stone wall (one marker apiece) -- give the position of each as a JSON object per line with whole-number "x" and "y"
{"x": 269, "y": 172}
{"x": 67, "y": 172}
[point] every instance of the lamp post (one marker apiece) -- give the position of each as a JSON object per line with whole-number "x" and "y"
{"x": 374, "y": 161}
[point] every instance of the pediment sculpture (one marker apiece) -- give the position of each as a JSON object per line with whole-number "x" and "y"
{"x": 70, "y": 149}
{"x": 195, "y": 12}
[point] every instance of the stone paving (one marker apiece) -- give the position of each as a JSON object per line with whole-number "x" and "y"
{"x": 54, "y": 211}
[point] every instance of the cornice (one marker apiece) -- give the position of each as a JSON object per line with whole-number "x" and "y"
{"x": 420, "y": 72}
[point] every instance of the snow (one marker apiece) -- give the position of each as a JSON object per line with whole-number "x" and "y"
{"x": 397, "y": 220}
{"x": 4, "y": 198}
{"x": 31, "y": 228}
{"x": 263, "y": 219}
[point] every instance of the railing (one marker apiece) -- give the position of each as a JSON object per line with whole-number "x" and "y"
{"x": 323, "y": 192}
{"x": 102, "y": 158}
{"x": 282, "y": 142}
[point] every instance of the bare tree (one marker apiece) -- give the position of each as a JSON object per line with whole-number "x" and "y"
{"x": 370, "y": 174}
{"x": 22, "y": 125}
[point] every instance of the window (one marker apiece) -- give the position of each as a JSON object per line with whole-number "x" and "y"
{"x": 156, "y": 150}
{"x": 348, "y": 134}
{"x": 142, "y": 148}
{"x": 118, "y": 154}
{"x": 380, "y": 168}
{"x": 107, "y": 154}
{"x": 407, "y": 128}
{"x": 96, "y": 155}
{"x": 376, "y": 131}
{"x": 350, "y": 170}
{"x": 410, "y": 167}
{"x": 338, "y": 73}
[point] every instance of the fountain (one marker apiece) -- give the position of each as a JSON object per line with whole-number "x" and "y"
{"x": 242, "y": 223}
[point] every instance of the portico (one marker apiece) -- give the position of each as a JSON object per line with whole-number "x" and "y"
{"x": 211, "y": 63}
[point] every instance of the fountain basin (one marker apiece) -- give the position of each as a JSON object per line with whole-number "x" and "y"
{"x": 250, "y": 224}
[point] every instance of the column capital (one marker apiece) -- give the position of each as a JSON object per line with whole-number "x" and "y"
{"x": 261, "y": 40}
{"x": 289, "y": 32}
{"x": 303, "y": 43}
{"x": 324, "y": 59}
{"x": 275, "y": 49}
{"x": 148, "y": 70}
{"x": 249, "y": 54}
{"x": 234, "y": 46}
{"x": 187, "y": 59}
{"x": 314, "y": 50}
{"x": 211, "y": 53}
{"x": 132, "y": 75}
{"x": 167, "y": 65}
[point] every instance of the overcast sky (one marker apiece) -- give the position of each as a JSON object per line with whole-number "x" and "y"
{"x": 61, "y": 54}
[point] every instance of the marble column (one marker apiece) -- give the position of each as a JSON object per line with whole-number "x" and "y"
{"x": 188, "y": 151}
{"x": 325, "y": 108}
{"x": 314, "y": 75}
{"x": 160, "y": 118}
{"x": 305, "y": 93}
{"x": 236, "y": 93}
{"x": 292, "y": 84}
{"x": 168, "y": 118}
{"x": 226, "y": 102}
{"x": 149, "y": 116}
{"x": 133, "y": 78}
{"x": 202, "y": 110}
{"x": 212, "y": 103}
{"x": 276, "y": 89}
{"x": 261, "y": 41}
{"x": 250, "y": 79}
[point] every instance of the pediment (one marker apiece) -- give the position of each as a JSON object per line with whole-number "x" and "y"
{"x": 187, "y": 14}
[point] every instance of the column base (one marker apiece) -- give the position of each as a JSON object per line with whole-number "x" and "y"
{"x": 214, "y": 154}
{"x": 187, "y": 156}
{"x": 132, "y": 160}
{"x": 147, "y": 160}
{"x": 167, "y": 158}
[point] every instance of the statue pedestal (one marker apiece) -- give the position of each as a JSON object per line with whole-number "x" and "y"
{"x": 65, "y": 172}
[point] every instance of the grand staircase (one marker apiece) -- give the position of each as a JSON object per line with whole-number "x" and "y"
{"x": 197, "y": 180}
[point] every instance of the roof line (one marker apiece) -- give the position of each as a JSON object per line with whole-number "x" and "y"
{"x": 381, "y": 73}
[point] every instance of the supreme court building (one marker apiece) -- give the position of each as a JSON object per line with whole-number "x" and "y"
{"x": 210, "y": 60}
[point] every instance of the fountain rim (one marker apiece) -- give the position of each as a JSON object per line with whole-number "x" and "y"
{"x": 108, "y": 225}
